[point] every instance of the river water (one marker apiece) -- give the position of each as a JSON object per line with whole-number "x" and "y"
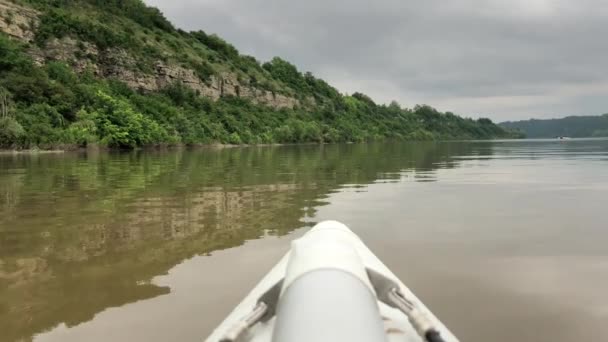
{"x": 503, "y": 240}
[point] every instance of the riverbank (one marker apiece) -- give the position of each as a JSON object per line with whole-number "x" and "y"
{"x": 215, "y": 146}
{"x": 7, "y": 152}
{"x": 73, "y": 148}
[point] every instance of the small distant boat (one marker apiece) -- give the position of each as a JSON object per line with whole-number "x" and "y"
{"x": 330, "y": 287}
{"x": 563, "y": 138}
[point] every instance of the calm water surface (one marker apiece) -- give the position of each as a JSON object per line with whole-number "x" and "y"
{"x": 504, "y": 241}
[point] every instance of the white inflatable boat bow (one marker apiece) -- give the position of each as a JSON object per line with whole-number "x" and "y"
{"x": 330, "y": 287}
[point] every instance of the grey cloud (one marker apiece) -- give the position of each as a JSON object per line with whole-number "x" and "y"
{"x": 502, "y": 59}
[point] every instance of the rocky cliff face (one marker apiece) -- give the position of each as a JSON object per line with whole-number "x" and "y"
{"x": 20, "y": 23}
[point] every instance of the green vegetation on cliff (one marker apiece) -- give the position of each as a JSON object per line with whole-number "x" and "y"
{"x": 130, "y": 78}
{"x": 571, "y": 126}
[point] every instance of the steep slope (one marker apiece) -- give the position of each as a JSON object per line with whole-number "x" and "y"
{"x": 117, "y": 73}
{"x": 571, "y": 126}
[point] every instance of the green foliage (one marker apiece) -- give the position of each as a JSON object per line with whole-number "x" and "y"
{"x": 119, "y": 125}
{"x": 6, "y": 103}
{"x": 42, "y": 125}
{"x": 83, "y": 131}
{"x": 249, "y": 63}
{"x": 61, "y": 73}
{"x": 322, "y": 90}
{"x": 10, "y": 131}
{"x": 420, "y": 135}
{"x": 60, "y": 23}
{"x": 11, "y": 56}
{"x": 203, "y": 70}
{"x": 215, "y": 43}
{"x": 287, "y": 73}
{"x": 571, "y": 126}
{"x": 137, "y": 10}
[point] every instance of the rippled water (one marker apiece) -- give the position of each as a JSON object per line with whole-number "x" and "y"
{"x": 503, "y": 240}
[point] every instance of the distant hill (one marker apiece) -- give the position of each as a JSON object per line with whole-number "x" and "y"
{"x": 117, "y": 73}
{"x": 571, "y": 126}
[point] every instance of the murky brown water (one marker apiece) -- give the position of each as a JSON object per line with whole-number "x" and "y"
{"x": 504, "y": 241}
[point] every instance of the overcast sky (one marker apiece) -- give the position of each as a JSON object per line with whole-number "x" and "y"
{"x": 511, "y": 59}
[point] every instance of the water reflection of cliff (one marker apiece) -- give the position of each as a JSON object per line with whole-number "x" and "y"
{"x": 83, "y": 232}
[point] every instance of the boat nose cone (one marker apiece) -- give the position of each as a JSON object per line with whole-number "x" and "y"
{"x": 329, "y": 245}
{"x": 334, "y": 225}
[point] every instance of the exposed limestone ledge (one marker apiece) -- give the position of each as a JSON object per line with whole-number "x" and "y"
{"x": 20, "y": 23}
